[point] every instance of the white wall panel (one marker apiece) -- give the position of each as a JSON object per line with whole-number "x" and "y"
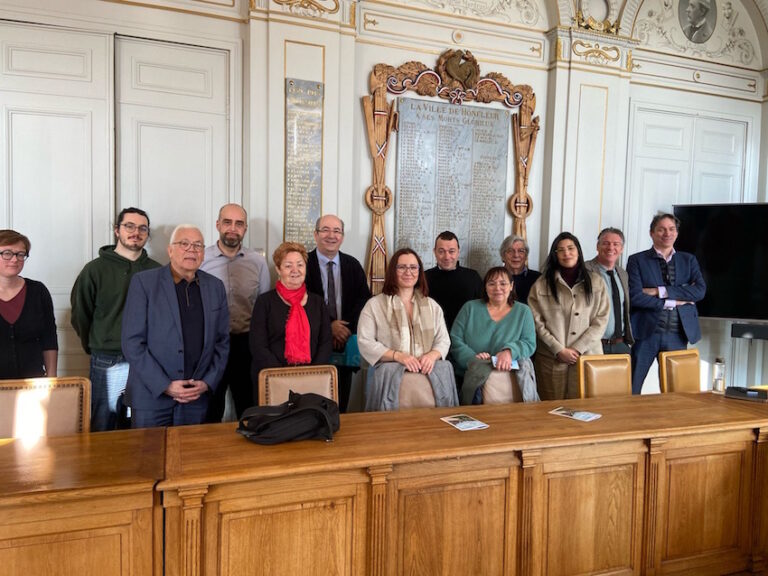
{"x": 171, "y": 76}
{"x": 656, "y": 185}
{"x": 56, "y": 158}
{"x": 172, "y": 135}
{"x": 663, "y": 135}
{"x": 590, "y": 162}
{"x": 44, "y": 60}
{"x": 713, "y": 184}
{"x": 720, "y": 141}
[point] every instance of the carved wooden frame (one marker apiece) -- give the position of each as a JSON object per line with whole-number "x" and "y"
{"x": 456, "y": 77}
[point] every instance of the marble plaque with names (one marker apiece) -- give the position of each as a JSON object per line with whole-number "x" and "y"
{"x": 452, "y": 175}
{"x": 303, "y": 159}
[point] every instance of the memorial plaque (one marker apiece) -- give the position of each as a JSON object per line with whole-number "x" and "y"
{"x": 303, "y": 159}
{"x": 452, "y": 175}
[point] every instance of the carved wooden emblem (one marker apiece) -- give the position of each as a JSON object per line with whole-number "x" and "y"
{"x": 456, "y": 77}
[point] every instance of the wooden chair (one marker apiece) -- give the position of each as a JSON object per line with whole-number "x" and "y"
{"x": 34, "y": 407}
{"x": 605, "y": 375}
{"x": 679, "y": 371}
{"x": 501, "y": 388}
{"x": 275, "y": 383}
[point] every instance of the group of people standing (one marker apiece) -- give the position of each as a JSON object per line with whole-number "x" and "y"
{"x": 176, "y": 337}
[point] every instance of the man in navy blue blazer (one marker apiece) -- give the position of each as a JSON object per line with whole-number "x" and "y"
{"x": 664, "y": 286}
{"x": 175, "y": 336}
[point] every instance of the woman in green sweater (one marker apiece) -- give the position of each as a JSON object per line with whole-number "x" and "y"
{"x": 495, "y": 326}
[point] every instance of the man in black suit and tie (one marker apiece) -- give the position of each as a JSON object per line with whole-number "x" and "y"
{"x": 340, "y": 280}
{"x": 618, "y": 333}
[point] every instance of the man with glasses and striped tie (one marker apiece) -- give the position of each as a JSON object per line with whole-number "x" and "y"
{"x": 340, "y": 280}
{"x": 97, "y": 299}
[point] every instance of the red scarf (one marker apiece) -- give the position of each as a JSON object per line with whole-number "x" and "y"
{"x": 296, "y": 326}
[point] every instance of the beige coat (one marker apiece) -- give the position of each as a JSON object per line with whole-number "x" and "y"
{"x": 571, "y": 322}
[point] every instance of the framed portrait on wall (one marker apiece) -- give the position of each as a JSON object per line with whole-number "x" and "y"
{"x": 697, "y": 19}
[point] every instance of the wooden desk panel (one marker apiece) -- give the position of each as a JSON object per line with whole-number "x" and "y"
{"x": 658, "y": 485}
{"x": 81, "y": 504}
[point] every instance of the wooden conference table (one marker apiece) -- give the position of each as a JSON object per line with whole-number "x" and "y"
{"x": 81, "y": 505}
{"x": 659, "y": 485}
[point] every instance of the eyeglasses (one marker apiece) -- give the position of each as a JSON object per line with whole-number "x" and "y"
{"x": 403, "y": 268}
{"x": 326, "y": 231}
{"x": 131, "y": 227}
{"x": 516, "y": 251}
{"x": 9, "y": 254}
{"x": 498, "y": 284}
{"x": 565, "y": 249}
{"x": 188, "y": 246}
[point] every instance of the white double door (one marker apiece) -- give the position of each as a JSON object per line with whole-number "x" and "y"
{"x": 91, "y": 123}
{"x": 688, "y": 157}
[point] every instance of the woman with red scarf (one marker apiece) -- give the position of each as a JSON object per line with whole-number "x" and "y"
{"x": 289, "y": 326}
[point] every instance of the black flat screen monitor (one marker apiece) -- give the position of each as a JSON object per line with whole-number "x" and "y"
{"x": 730, "y": 242}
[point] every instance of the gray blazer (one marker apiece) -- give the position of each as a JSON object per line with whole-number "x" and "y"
{"x": 594, "y": 266}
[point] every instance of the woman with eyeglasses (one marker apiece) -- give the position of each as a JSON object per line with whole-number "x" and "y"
{"x": 494, "y": 326}
{"x": 28, "y": 344}
{"x": 402, "y": 329}
{"x": 290, "y": 326}
{"x": 570, "y": 308}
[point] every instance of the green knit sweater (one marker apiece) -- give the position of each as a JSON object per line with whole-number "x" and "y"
{"x": 98, "y": 297}
{"x": 474, "y": 331}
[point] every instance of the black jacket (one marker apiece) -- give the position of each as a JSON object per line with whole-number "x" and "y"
{"x": 354, "y": 286}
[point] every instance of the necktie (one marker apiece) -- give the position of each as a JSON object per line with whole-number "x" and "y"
{"x": 617, "y": 331}
{"x": 332, "y": 293}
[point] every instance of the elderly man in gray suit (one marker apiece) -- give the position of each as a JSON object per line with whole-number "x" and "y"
{"x": 618, "y": 333}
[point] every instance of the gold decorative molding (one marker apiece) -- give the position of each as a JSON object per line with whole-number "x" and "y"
{"x": 313, "y": 6}
{"x": 630, "y": 64}
{"x": 559, "y": 50}
{"x": 594, "y": 53}
{"x": 591, "y": 24}
{"x": 370, "y": 20}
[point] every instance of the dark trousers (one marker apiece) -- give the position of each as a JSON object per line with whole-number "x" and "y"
{"x": 645, "y": 351}
{"x": 237, "y": 377}
{"x": 618, "y": 348}
{"x": 345, "y": 384}
{"x": 177, "y": 415}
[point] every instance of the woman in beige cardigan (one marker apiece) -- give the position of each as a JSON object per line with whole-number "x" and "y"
{"x": 403, "y": 325}
{"x": 570, "y": 308}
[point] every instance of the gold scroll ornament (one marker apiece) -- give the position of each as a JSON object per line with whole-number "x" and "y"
{"x": 456, "y": 77}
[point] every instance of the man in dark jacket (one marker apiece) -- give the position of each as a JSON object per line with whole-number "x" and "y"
{"x": 97, "y": 299}
{"x": 664, "y": 286}
{"x": 340, "y": 280}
